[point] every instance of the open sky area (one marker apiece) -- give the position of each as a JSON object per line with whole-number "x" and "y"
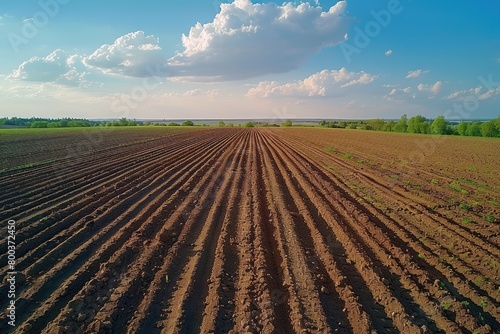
{"x": 249, "y": 59}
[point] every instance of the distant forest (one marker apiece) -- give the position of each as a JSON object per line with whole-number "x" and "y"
{"x": 420, "y": 124}
{"x": 415, "y": 124}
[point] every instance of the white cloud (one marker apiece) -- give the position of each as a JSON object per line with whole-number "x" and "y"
{"x": 57, "y": 68}
{"x": 434, "y": 89}
{"x": 244, "y": 40}
{"x": 388, "y": 53}
{"x": 247, "y": 40}
{"x": 5, "y": 19}
{"x": 478, "y": 92}
{"x": 323, "y": 83}
{"x": 415, "y": 74}
{"x": 133, "y": 55}
{"x": 399, "y": 94}
{"x": 193, "y": 92}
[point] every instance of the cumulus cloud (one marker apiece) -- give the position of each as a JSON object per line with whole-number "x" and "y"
{"x": 323, "y": 83}
{"x": 434, "y": 89}
{"x": 133, "y": 55}
{"x": 388, "y": 53}
{"x": 57, "y": 68}
{"x": 478, "y": 92}
{"x": 415, "y": 74}
{"x": 247, "y": 40}
{"x": 244, "y": 40}
{"x": 398, "y": 94}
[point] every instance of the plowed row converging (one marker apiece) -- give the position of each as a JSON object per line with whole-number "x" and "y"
{"x": 226, "y": 230}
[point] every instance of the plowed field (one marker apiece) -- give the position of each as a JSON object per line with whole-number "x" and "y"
{"x": 256, "y": 231}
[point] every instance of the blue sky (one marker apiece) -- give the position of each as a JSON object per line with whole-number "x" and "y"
{"x": 244, "y": 59}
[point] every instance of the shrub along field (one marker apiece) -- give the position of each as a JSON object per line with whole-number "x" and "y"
{"x": 256, "y": 230}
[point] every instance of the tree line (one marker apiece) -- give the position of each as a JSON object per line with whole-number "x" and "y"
{"x": 35, "y": 122}
{"x": 420, "y": 124}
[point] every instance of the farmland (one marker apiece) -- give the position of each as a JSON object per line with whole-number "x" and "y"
{"x": 251, "y": 231}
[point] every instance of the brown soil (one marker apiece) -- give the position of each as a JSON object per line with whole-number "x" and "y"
{"x": 257, "y": 231}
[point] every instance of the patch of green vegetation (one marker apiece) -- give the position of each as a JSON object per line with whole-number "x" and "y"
{"x": 489, "y": 218}
{"x": 412, "y": 185}
{"x": 472, "y": 168}
{"x": 483, "y": 303}
{"x": 479, "y": 281}
{"x": 455, "y": 186}
{"x": 368, "y": 198}
{"x": 493, "y": 202}
{"x": 421, "y": 256}
{"x": 394, "y": 176}
{"x": 347, "y": 155}
{"x": 467, "y": 221}
{"x": 405, "y": 162}
{"x": 434, "y": 181}
{"x": 465, "y": 207}
{"x": 474, "y": 183}
{"x": 494, "y": 265}
{"x": 465, "y": 304}
{"x": 329, "y": 149}
{"x": 25, "y": 166}
{"x": 480, "y": 316}
{"x": 445, "y": 304}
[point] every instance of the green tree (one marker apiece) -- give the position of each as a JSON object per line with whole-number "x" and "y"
{"x": 462, "y": 128}
{"x": 376, "y": 124}
{"x": 39, "y": 124}
{"x": 249, "y": 125}
{"x": 222, "y": 124}
{"x": 488, "y": 129}
{"x": 418, "y": 124}
{"x": 322, "y": 123}
{"x": 188, "y": 123}
{"x": 389, "y": 126}
{"x": 474, "y": 129}
{"x": 352, "y": 126}
{"x": 401, "y": 125}
{"x": 496, "y": 121}
{"x": 438, "y": 126}
{"x": 287, "y": 123}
